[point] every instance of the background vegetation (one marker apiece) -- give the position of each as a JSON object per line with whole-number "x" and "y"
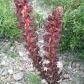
{"x": 33, "y": 78}
{"x": 8, "y": 20}
{"x": 73, "y": 23}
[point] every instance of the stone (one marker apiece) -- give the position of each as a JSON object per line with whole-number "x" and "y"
{"x": 18, "y": 76}
{"x": 46, "y": 62}
{"x": 4, "y": 71}
{"x": 60, "y": 66}
{"x": 44, "y": 81}
{"x": 10, "y": 71}
{"x": 3, "y": 62}
{"x": 78, "y": 66}
{"x": 66, "y": 76}
{"x": 0, "y": 71}
{"x": 73, "y": 65}
{"x": 21, "y": 68}
{"x": 17, "y": 83}
{"x": 69, "y": 66}
{"x": 81, "y": 74}
{"x": 21, "y": 53}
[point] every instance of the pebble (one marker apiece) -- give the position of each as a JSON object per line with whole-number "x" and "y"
{"x": 18, "y": 76}
{"x": 0, "y": 71}
{"x": 81, "y": 74}
{"x": 21, "y": 68}
{"x": 73, "y": 65}
{"x": 46, "y": 62}
{"x": 10, "y": 71}
{"x": 3, "y": 62}
{"x": 17, "y": 83}
{"x": 44, "y": 81}
{"x": 4, "y": 71}
{"x": 78, "y": 66}
{"x": 66, "y": 76}
{"x": 60, "y": 66}
{"x": 21, "y": 53}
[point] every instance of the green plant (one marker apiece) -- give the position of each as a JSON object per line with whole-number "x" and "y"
{"x": 34, "y": 78}
{"x": 8, "y": 20}
{"x": 73, "y": 27}
{"x": 39, "y": 20}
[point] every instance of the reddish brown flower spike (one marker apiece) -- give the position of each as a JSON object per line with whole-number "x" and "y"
{"x": 24, "y": 10}
{"x": 53, "y": 28}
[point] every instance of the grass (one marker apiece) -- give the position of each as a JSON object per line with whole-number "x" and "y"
{"x": 8, "y": 20}
{"x": 33, "y": 78}
{"x": 73, "y": 25}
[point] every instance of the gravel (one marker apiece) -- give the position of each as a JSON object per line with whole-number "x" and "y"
{"x": 14, "y": 70}
{"x": 18, "y": 76}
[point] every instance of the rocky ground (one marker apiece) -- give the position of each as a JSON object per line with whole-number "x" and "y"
{"x": 16, "y": 66}
{"x": 73, "y": 69}
{"x": 14, "y": 63}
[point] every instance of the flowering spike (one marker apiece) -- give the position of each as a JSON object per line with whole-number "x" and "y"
{"x": 24, "y": 11}
{"x": 52, "y": 35}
